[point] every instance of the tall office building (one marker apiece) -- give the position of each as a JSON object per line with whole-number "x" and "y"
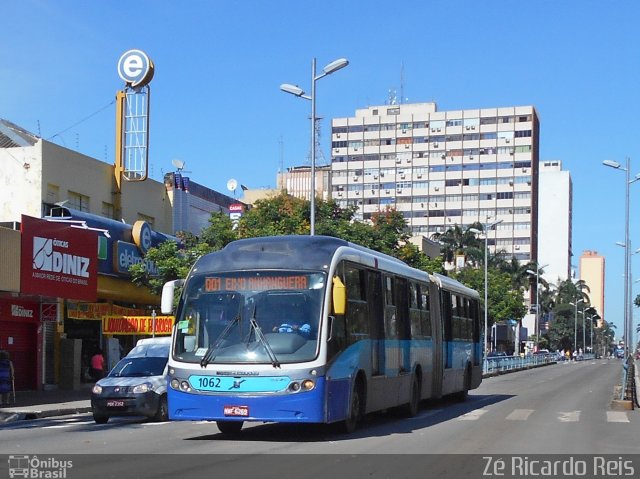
{"x": 592, "y": 273}
{"x": 555, "y": 208}
{"x": 442, "y": 168}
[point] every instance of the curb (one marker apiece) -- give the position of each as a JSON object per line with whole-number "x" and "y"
{"x": 37, "y": 414}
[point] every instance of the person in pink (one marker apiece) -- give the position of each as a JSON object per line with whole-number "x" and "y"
{"x": 97, "y": 365}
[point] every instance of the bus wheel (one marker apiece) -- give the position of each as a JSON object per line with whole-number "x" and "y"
{"x": 462, "y": 395}
{"x": 351, "y": 422}
{"x": 412, "y": 408}
{"x": 229, "y": 427}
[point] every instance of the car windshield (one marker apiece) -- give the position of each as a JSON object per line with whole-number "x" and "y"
{"x": 250, "y": 317}
{"x": 139, "y": 366}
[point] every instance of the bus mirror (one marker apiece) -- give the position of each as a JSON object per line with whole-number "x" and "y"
{"x": 339, "y": 296}
{"x": 168, "y": 292}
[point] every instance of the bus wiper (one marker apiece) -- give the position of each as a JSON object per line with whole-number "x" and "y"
{"x": 210, "y": 355}
{"x": 260, "y": 337}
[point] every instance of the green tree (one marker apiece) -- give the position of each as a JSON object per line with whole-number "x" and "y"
{"x": 505, "y": 302}
{"x": 456, "y": 241}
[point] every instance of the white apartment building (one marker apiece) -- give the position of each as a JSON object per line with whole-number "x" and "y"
{"x": 296, "y": 181}
{"x": 442, "y": 168}
{"x": 555, "y": 221}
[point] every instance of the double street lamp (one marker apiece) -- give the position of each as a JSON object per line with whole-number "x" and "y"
{"x": 628, "y": 333}
{"x": 486, "y": 227}
{"x": 332, "y": 67}
{"x": 575, "y": 325}
{"x": 537, "y": 326}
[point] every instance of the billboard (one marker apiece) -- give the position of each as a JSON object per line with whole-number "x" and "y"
{"x": 58, "y": 260}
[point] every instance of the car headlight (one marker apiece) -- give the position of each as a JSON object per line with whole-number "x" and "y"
{"x": 142, "y": 388}
{"x": 97, "y": 389}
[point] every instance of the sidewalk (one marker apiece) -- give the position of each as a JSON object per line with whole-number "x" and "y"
{"x": 53, "y": 402}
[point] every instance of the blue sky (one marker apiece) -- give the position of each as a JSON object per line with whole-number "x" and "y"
{"x": 216, "y": 103}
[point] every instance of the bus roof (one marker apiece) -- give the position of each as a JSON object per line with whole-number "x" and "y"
{"x": 278, "y": 252}
{"x": 451, "y": 284}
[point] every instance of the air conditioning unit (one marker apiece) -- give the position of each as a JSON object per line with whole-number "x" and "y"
{"x": 471, "y": 157}
{"x": 406, "y": 147}
{"x": 444, "y": 157}
{"x": 467, "y": 127}
{"x": 404, "y": 131}
{"x": 355, "y": 178}
{"x": 512, "y": 152}
{"x": 339, "y": 193}
{"x": 399, "y": 190}
{"x": 507, "y": 140}
{"x": 437, "y": 188}
{"x": 408, "y": 160}
{"x": 357, "y": 193}
{"x": 419, "y": 176}
{"x": 435, "y": 145}
{"x": 337, "y": 135}
{"x": 375, "y": 177}
{"x": 402, "y": 177}
{"x": 398, "y": 160}
{"x": 387, "y": 191}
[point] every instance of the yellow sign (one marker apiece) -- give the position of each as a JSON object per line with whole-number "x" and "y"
{"x": 137, "y": 325}
{"x": 98, "y": 310}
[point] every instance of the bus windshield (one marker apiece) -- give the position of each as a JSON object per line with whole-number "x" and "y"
{"x": 252, "y": 317}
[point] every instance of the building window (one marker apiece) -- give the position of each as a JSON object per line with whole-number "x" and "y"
{"x": 78, "y": 201}
{"x": 53, "y": 193}
{"x": 108, "y": 210}
{"x": 149, "y": 219}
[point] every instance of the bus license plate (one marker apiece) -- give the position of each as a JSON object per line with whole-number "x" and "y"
{"x": 242, "y": 411}
{"x": 114, "y": 403}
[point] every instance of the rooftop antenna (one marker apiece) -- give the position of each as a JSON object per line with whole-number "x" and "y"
{"x": 320, "y": 159}
{"x": 402, "y": 83}
{"x": 178, "y": 164}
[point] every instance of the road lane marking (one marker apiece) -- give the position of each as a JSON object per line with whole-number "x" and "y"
{"x": 472, "y": 415}
{"x": 570, "y": 416}
{"x": 520, "y": 414}
{"x": 617, "y": 416}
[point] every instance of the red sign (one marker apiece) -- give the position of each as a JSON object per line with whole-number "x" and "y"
{"x": 236, "y": 207}
{"x": 58, "y": 260}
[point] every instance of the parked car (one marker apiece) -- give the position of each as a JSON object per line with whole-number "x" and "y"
{"x": 497, "y": 354}
{"x": 136, "y": 386}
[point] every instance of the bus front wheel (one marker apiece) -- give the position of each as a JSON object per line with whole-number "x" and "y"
{"x": 355, "y": 410}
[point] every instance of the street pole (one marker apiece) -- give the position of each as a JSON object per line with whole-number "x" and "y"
{"x": 332, "y": 67}
{"x": 486, "y": 306}
{"x": 575, "y": 328}
{"x": 627, "y": 256}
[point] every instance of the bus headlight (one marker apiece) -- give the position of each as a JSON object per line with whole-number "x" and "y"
{"x": 308, "y": 385}
{"x": 184, "y": 386}
{"x": 175, "y": 384}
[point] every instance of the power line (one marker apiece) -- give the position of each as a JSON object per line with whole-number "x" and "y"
{"x": 82, "y": 121}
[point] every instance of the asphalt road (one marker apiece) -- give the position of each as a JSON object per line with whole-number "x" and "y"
{"x": 558, "y": 409}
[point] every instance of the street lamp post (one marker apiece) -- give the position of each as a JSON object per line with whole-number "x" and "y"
{"x": 575, "y": 323}
{"x": 486, "y": 285}
{"x": 537, "y": 326}
{"x": 332, "y": 67}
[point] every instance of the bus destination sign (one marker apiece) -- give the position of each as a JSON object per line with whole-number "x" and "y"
{"x": 255, "y": 283}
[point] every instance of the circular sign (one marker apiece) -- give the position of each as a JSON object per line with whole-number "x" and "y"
{"x": 135, "y": 68}
{"x": 141, "y": 233}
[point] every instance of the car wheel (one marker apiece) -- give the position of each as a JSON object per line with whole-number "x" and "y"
{"x": 229, "y": 427}
{"x": 100, "y": 419}
{"x": 162, "y": 414}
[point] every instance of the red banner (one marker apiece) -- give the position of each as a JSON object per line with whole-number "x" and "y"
{"x": 58, "y": 260}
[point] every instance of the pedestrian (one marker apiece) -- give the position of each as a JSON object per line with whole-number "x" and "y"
{"x": 575, "y": 354}
{"x": 97, "y": 365}
{"x": 7, "y": 379}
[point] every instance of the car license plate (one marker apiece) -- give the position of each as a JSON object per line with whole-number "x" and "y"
{"x": 242, "y": 411}
{"x": 115, "y": 403}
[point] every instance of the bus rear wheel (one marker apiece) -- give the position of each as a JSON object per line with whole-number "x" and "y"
{"x": 229, "y": 427}
{"x": 412, "y": 408}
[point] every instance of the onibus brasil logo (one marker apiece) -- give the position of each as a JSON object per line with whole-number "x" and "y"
{"x": 34, "y": 467}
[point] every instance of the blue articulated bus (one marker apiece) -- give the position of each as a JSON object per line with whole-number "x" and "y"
{"x": 313, "y": 329}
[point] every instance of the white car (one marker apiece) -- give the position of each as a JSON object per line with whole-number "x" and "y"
{"x": 137, "y": 385}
